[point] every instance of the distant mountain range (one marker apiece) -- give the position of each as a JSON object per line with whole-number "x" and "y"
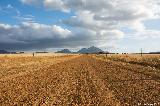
{"x": 90, "y": 50}
{"x": 6, "y": 52}
{"x": 3, "y": 52}
{"x": 64, "y": 51}
{"x": 83, "y": 50}
{"x": 154, "y": 53}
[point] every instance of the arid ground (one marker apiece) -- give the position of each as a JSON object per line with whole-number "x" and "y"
{"x": 79, "y": 80}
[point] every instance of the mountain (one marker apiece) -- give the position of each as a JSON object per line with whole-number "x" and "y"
{"x": 90, "y": 50}
{"x": 3, "y": 52}
{"x": 154, "y": 52}
{"x": 6, "y": 52}
{"x": 64, "y": 51}
{"x": 83, "y": 50}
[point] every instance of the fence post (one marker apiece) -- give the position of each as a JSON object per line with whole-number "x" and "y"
{"x": 33, "y": 54}
{"x": 141, "y": 52}
{"x": 106, "y": 54}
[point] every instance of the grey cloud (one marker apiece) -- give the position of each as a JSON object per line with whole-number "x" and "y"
{"x": 55, "y": 5}
{"x": 29, "y": 36}
{"x": 96, "y": 22}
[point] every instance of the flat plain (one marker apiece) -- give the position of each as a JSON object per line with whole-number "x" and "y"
{"x": 79, "y": 80}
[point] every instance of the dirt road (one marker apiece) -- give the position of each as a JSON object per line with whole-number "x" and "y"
{"x": 82, "y": 81}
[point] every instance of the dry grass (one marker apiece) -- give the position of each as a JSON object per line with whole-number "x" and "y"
{"x": 145, "y": 60}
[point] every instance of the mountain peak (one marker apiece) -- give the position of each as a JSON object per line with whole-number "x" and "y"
{"x": 64, "y": 51}
{"x": 91, "y": 49}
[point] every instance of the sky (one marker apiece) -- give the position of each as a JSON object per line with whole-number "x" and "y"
{"x": 50, "y": 25}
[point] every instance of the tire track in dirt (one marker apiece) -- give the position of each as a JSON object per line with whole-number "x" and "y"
{"x": 130, "y": 85}
{"x": 152, "y": 72}
{"x": 90, "y": 90}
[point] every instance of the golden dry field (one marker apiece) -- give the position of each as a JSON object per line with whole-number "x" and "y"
{"x": 79, "y": 80}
